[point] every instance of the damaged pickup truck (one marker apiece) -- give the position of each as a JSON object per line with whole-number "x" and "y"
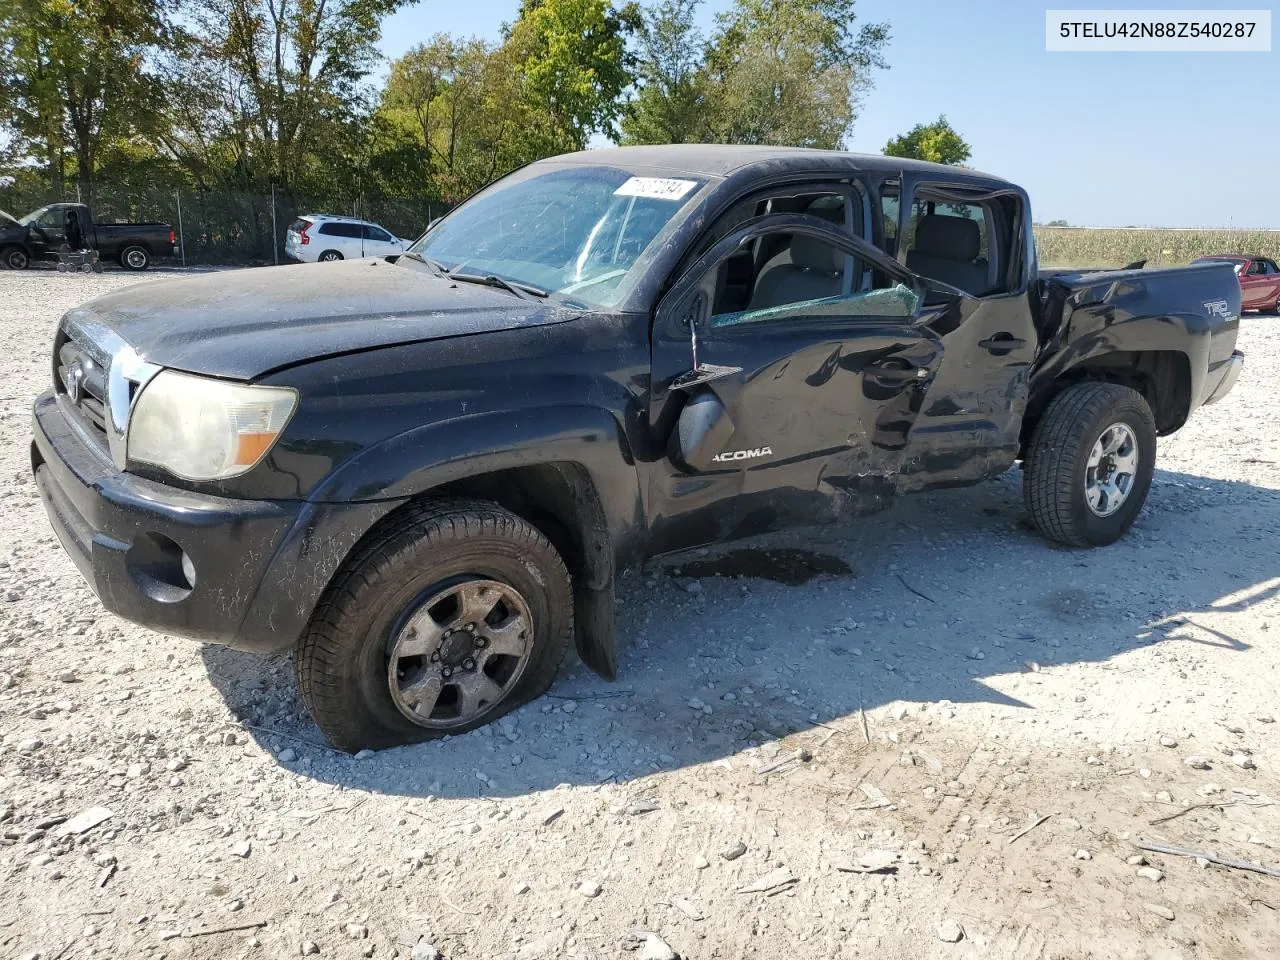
{"x": 423, "y": 476}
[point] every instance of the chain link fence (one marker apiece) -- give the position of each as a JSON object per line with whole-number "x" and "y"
{"x": 229, "y": 227}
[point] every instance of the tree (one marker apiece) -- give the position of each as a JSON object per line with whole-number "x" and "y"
{"x": 265, "y": 83}
{"x": 668, "y": 107}
{"x": 466, "y": 108}
{"x": 572, "y": 55}
{"x": 789, "y": 71}
{"x": 76, "y": 75}
{"x": 935, "y": 142}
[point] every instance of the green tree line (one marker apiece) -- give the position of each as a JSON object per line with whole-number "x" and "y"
{"x": 232, "y": 101}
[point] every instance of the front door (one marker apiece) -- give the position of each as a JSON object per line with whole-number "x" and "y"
{"x": 810, "y": 371}
{"x": 974, "y": 243}
{"x": 378, "y": 243}
{"x": 47, "y": 233}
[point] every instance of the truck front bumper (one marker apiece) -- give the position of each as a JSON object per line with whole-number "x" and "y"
{"x": 245, "y": 573}
{"x": 1224, "y": 377}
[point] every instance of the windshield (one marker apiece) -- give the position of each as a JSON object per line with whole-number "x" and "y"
{"x": 32, "y": 217}
{"x": 576, "y": 231}
{"x": 5, "y": 215}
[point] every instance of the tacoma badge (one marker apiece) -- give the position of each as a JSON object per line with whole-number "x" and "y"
{"x": 742, "y": 454}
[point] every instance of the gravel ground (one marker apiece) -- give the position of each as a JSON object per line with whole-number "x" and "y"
{"x": 837, "y": 769}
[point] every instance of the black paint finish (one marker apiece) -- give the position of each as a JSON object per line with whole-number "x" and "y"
{"x": 411, "y": 384}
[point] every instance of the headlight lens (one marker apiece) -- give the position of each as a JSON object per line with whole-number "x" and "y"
{"x": 202, "y": 429}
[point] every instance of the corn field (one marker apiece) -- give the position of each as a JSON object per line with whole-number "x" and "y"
{"x": 1105, "y": 247}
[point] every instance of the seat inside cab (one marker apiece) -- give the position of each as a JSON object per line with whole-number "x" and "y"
{"x": 784, "y": 268}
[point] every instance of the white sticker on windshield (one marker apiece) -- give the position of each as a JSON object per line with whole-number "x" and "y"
{"x": 660, "y": 188}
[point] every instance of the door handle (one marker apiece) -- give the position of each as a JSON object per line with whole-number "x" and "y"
{"x": 1002, "y": 343}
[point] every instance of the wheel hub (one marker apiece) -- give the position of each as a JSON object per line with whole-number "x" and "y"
{"x": 1111, "y": 470}
{"x": 456, "y": 655}
{"x": 457, "y": 646}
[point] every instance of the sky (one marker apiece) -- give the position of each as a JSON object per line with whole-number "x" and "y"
{"x": 1097, "y": 139}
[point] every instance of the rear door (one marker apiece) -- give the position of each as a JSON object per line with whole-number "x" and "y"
{"x": 345, "y": 237}
{"x": 975, "y": 243}
{"x": 808, "y": 375}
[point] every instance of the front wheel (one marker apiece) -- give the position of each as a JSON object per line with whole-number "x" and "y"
{"x": 453, "y": 613}
{"x": 135, "y": 258}
{"x": 1090, "y": 464}
{"x": 15, "y": 258}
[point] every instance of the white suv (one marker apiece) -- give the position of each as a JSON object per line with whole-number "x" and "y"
{"x": 323, "y": 236}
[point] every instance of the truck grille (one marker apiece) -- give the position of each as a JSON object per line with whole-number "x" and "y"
{"x": 82, "y": 379}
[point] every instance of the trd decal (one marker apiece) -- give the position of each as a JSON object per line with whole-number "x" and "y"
{"x": 1219, "y": 308}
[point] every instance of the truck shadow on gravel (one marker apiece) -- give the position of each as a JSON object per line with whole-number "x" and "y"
{"x": 943, "y": 593}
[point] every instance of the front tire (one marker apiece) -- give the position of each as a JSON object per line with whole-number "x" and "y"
{"x": 451, "y": 614}
{"x": 15, "y": 258}
{"x": 135, "y": 258}
{"x": 1090, "y": 463}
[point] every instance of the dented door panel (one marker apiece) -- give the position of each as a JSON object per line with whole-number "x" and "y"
{"x": 813, "y": 428}
{"x": 970, "y": 427}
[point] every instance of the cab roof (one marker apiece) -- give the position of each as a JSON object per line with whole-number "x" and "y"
{"x": 723, "y": 160}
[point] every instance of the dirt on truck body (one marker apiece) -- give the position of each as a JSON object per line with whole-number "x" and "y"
{"x": 424, "y": 476}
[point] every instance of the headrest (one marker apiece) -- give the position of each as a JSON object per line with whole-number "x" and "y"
{"x": 819, "y": 255}
{"x": 814, "y": 254}
{"x": 827, "y": 208}
{"x": 952, "y": 238}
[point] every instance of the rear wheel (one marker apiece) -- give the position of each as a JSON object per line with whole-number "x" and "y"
{"x": 15, "y": 258}
{"x": 452, "y": 614}
{"x": 135, "y": 258}
{"x": 330, "y": 255}
{"x": 1090, "y": 464}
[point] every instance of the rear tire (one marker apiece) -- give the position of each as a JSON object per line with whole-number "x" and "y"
{"x": 382, "y": 632}
{"x": 329, "y": 256}
{"x": 135, "y": 258}
{"x": 1090, "y": 463}
{"x": 15, "y": 258}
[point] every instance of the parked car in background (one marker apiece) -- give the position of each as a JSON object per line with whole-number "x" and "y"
{"x": 325, "y": 236}
{"x": 42, "y": 233}
{"x": 1259, "y": 280}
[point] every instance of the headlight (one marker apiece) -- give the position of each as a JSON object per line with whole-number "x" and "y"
{"x": 202, "y": 429}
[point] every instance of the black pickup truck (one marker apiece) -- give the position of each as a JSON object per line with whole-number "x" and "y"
{"x": 423, "y": 476}
{"x": 42, "y": 233}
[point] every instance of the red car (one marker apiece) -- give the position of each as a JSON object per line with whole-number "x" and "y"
{"x": 1259, "y": 280}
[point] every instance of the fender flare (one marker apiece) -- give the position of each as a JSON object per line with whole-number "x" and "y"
{"x": 1098, "y": 336}
{"x": 601, "y": 477}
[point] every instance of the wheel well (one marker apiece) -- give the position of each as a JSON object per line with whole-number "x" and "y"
{"x": 561, "y": 501}
{"x": 1163, "y": 377}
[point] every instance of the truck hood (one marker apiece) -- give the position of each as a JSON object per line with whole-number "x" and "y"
{"x": 246, "y": 323}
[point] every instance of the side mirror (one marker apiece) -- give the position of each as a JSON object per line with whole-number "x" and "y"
{"x": 701, "y": 432}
